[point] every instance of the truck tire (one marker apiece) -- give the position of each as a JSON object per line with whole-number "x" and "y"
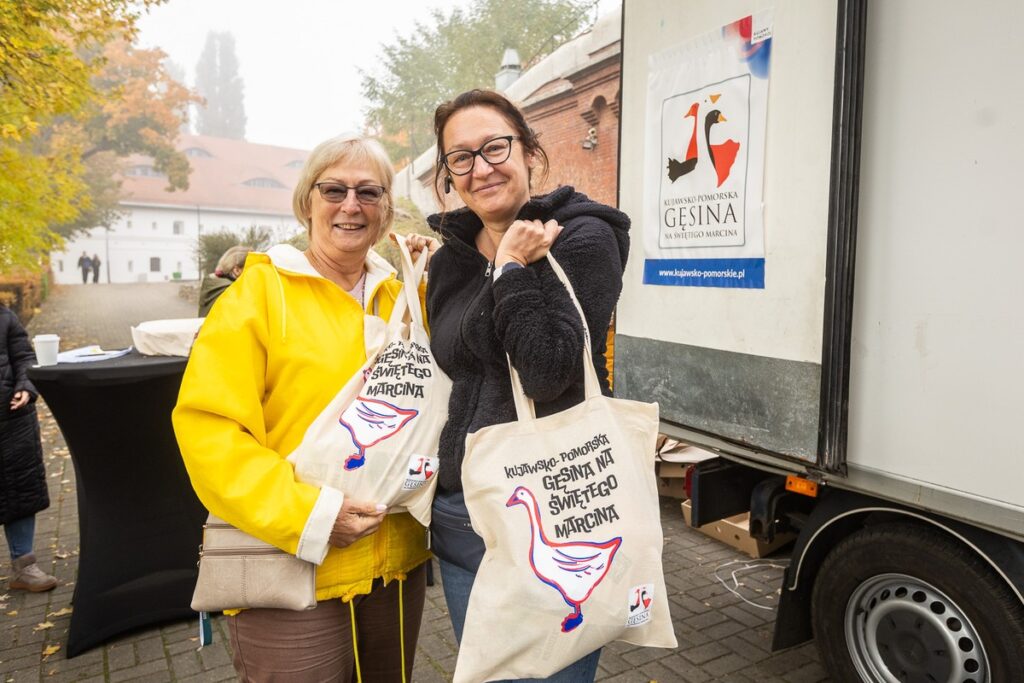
{"x": 903, "y": 602}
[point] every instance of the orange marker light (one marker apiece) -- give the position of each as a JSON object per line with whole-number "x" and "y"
{"x": 804, "y": 487}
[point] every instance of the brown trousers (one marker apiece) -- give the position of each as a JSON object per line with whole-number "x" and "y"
{"x": 274, "y": 645}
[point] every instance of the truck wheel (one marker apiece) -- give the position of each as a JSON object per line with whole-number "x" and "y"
{"x": 900, "y": 603}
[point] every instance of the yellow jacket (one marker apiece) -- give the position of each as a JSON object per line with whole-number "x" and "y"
{"x": 275, "y": 349}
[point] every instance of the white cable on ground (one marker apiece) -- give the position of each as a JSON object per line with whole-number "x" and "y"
{"x": 747, "y": 566}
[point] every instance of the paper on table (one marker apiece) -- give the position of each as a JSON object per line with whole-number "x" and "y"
{"x": 88, "y": 354}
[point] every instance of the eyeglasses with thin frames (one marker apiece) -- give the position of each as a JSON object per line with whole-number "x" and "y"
{"x": 494, "y": 151}
{"x": 336, "y": 193}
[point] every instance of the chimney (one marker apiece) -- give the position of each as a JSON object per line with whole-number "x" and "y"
{"x": 509, "y": 72}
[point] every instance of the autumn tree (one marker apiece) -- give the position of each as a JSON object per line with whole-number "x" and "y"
{"x": 140, "y": 112}
{"x": 177, "y": 73}
{"x": 456, "y": 51}
{"x": 59, "y": 116}
{"x": 218, "y": 82}
{"x": 49, "y": 52}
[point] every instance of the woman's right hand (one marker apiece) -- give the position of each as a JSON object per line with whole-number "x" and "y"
{"x": 526, "y": 242}
{"x": 355, "y": 521}
{"x": 418, "y": 243}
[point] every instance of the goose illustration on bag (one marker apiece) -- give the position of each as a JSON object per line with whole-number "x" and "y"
{"x": 369, "y": 421}
{"x": 574, "y": 568}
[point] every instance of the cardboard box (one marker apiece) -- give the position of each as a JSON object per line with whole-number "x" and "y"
{"x": 672, "y": 487}
{"x": 735, "y": 531}
{"x": 669, "y": 470}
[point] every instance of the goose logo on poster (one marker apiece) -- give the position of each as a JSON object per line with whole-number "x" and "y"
{"x": 421, "y": 469}
{"x": 703, "y": 185}
{"x": 639, "y": 604}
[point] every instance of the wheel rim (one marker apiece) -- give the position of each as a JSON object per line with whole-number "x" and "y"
{"x": 901, "y": 629}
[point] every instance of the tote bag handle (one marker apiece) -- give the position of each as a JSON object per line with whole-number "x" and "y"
{"x": 525, "y": 409}
{"x": 412, "y": 273}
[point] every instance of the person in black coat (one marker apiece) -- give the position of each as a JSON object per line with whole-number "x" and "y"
{"x": 491, "y": 292}
{"x": 22, "y": 473}
{"x": 85, "y": 263}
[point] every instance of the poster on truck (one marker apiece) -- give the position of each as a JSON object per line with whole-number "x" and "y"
{"x": 707, "y": 102}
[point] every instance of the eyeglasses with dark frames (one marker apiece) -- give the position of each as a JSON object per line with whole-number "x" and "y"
{"x": 336, "y": 193}
{"x": 494, "y": 151}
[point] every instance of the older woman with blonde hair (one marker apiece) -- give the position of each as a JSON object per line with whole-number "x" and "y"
{"x": 274, "y": 351}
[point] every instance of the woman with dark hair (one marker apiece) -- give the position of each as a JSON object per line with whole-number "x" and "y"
{"x": 492, "y": 297}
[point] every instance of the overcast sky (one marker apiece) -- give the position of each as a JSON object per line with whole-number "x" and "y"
{"x": 300, "y": 59}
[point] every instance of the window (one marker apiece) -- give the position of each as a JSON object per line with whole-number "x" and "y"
{"x": 179, "y": 227}
{"x": 197, "y": 152}
{"x": 128, "y": 224}
{"x": 154, "y": 264}
{"x": 298, "y": 163}
{"x": 263, "y": 182}
{"x": 144, "y": 170}
{"x": 60, "y": 266}
{"x": 131, "y": 267}
{"x": 178, "y": 269}
{"x": 154, "y": 225}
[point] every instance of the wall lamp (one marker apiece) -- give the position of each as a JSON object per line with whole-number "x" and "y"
{"x": 590, "y": 142}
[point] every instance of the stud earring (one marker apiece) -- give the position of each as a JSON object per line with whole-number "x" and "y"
{"x": 447, "y": 184}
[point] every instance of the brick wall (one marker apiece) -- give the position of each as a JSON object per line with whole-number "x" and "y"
{"x": 562, "y": 119}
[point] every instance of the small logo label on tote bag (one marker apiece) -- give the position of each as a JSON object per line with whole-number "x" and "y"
{"x": 640, "y": 599}
{"x": 421, "y": 469}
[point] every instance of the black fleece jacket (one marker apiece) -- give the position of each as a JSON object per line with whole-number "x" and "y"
{"x": 526, "y": 314}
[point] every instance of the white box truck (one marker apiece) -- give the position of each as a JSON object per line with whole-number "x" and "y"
{"x": 868, "y": 392}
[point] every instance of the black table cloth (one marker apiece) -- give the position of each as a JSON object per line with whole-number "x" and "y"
{"x": 140, "y": 522}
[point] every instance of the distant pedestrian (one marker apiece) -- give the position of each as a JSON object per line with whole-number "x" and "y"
{"x": 96, "y": 268}
{"x": 23, "y": 490}
{"x": 85, "y": 263}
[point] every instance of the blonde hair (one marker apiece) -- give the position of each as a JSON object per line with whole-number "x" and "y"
{"x": 233, "y": 258}
{"x": 347, "y": 148}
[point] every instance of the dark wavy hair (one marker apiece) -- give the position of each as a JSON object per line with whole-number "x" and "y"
{"x": 501, "y": 104}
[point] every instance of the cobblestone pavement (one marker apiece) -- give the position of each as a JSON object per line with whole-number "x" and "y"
{"x": 721, "y": 636}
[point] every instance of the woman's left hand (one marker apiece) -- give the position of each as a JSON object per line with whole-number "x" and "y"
{"x": 355, "y": 520}
{"x": 418, "y": 243}
{"x": 20, "y": 398}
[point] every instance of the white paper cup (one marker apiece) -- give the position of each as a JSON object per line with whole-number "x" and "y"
{"x": 47, "y": 346}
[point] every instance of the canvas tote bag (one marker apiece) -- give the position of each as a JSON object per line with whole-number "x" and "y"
{"x": 377, "y": 440}
{"x": 567, "y": 506}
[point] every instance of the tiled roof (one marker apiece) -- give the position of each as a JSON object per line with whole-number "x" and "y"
{"x": 219, "y": 180}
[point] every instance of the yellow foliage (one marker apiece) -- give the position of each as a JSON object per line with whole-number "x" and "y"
{"x": 52, "y": 56}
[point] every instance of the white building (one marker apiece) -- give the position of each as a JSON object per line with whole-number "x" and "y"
{"x": 233, "y": 185}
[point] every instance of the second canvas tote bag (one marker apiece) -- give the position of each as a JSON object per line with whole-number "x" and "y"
{"x": 567, "y": 506}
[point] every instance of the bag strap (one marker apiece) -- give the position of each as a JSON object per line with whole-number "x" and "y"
{"x": 412, "y": 273}
{"x": 591, "y": 385}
